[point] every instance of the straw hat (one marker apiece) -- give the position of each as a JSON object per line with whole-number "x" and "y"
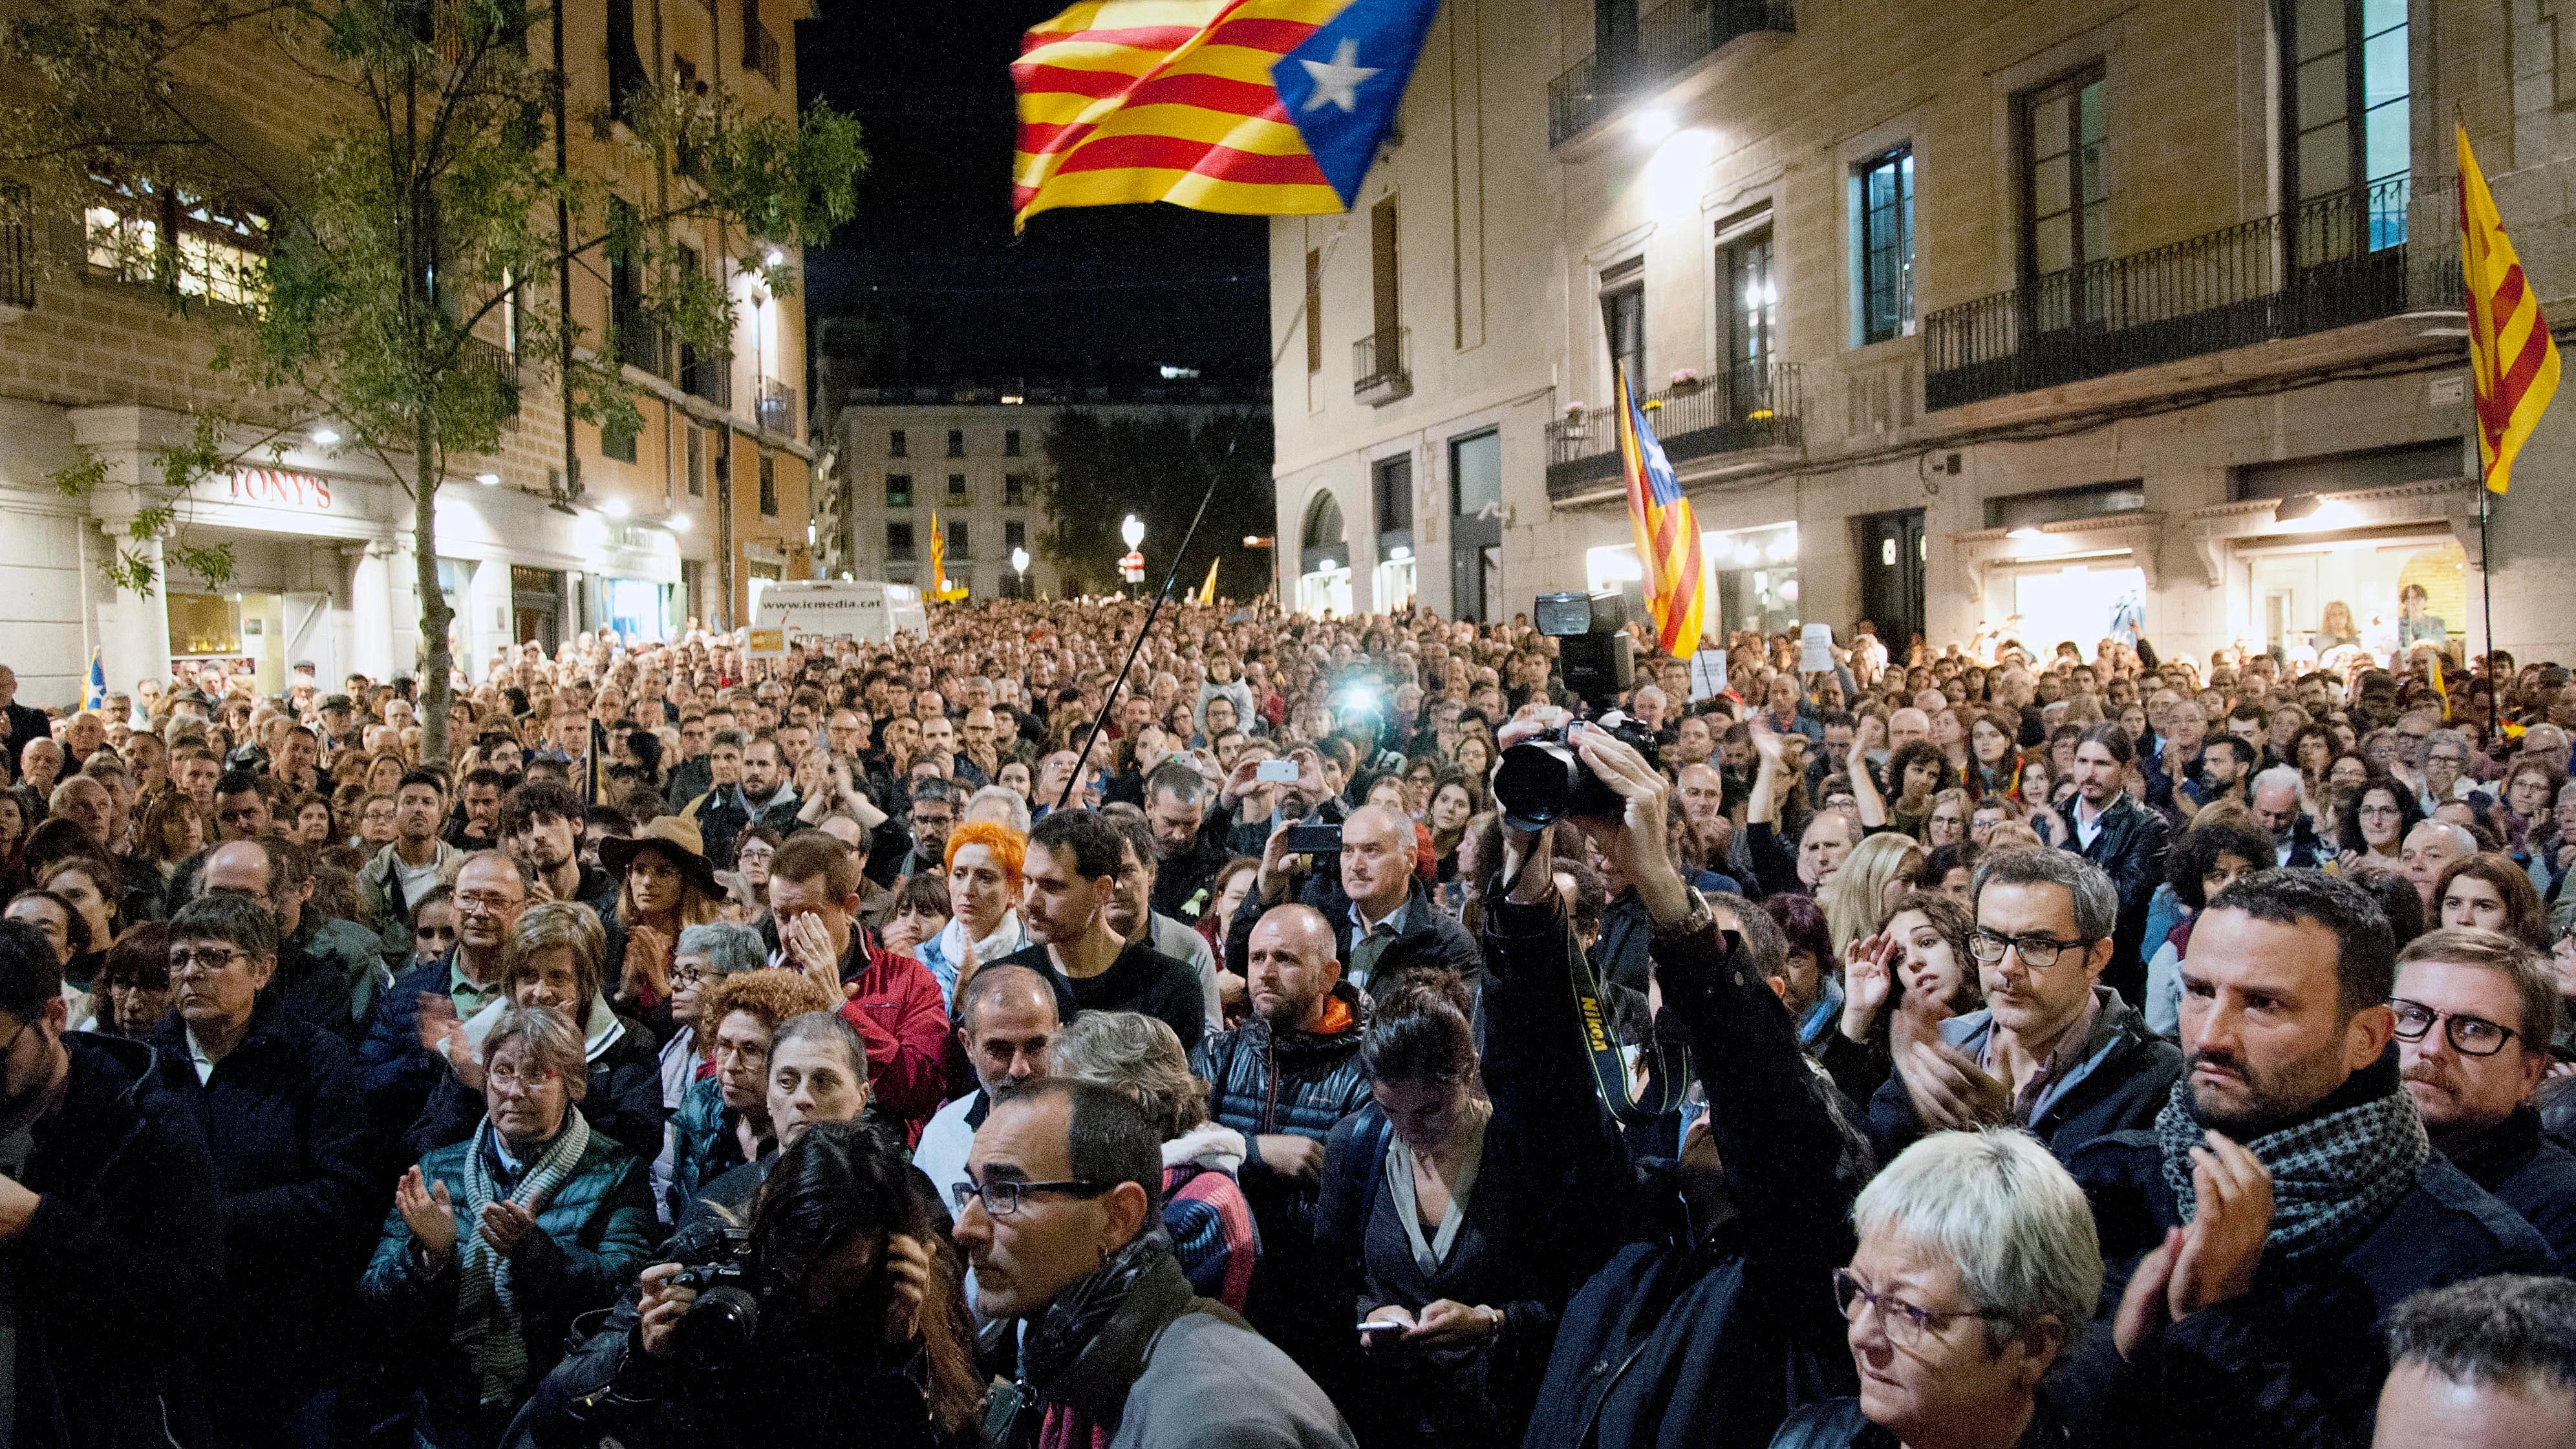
{"x": 675, "y": 836}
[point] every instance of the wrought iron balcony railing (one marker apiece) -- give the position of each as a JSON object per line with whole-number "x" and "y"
{"x": 1752, "y": 407}
{"x": 1670, "y": 39}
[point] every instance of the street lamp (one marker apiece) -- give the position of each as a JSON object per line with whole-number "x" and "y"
{"x": 1020, "y": 566}
{"x": 1132, "y": 567}
{"x": 1133, "y": 530}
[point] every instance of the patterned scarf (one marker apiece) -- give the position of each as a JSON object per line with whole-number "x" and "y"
{"x": 2334, "y": 1177}
{"x": 488, "y": 1329}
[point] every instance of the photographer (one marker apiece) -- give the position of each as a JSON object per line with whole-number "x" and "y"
{"x": 835, "y": 1318}
{"x": 1384, "y": 921}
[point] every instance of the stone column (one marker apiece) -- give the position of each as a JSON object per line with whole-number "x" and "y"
{"x": 371, "y": 617}
{"x": 134, "y": 643}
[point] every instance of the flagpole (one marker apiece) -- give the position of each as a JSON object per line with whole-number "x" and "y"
{"x": 2486, "y": 584}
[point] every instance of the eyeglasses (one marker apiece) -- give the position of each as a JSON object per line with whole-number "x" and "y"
{"x": 1003, "y": 1197}
{"x": 508, "y": 1078}
{"x": 478, "y": 902}
{"x": 1902, "y": 1322}
{"x": 188, "y": 962}
{"x": 2036, "y": 952}
{"x": 2470, "y": 1036}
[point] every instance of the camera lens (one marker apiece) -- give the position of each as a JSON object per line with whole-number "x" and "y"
{"x": 1536, "y": 782}
{"x": 718, "y": 1327}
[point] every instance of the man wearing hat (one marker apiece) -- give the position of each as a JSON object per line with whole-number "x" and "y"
{"x": 340, "y": 723}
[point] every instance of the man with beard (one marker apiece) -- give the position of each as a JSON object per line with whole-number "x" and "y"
{"x": 540, "y": 825}
{"x": 2475, "y": 1016}
{"x": 2290, "y": 1118}
{"x": 1133, "y": 916}
{"x": 1067, "y": 886}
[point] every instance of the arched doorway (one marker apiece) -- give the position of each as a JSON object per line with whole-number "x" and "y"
{"x": 1324, "y": 555}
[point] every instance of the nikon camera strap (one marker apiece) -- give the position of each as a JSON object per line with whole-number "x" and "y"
{"x": 1668, "y": 1069}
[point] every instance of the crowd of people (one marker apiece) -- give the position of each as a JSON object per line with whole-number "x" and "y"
{"x": 956, "y": 1041}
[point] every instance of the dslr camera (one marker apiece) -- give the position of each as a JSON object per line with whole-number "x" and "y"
{"x": 1543, "y": 779}
{"x": 719, "y": 1326}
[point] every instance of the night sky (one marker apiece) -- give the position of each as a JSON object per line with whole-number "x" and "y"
{"x": 928, "y": 281}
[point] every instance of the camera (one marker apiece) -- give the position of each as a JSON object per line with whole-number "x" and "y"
{"x": 1542, "y": 779}
{"x": 1593, "y": 649}
{"x": 719, "y": 1326}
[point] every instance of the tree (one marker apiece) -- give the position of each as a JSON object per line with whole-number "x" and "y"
{"x": 430, "y": 213}
{"x": 1100, "y": 469}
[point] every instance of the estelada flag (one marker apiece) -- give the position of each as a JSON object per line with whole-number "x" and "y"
{"x": 1207, "y": 591}
{"x": 939, "y": 589}
{"x": 2511, "y": 353}
{"x": 1255, "y": 107}
{"x": 1667, "y": 531}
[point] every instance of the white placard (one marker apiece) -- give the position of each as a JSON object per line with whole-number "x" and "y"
{"x": 1708, "y": 674}
{"x": 838, "y": 608}
{"x": 1816, "y": 649}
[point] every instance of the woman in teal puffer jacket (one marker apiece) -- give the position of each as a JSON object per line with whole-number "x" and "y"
{"x": 497, "y": 1243}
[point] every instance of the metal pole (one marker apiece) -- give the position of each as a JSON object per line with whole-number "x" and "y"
{"x": 2486, "y": 588}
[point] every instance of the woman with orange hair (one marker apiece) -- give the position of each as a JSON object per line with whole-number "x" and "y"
{"x": 984, "y": 863}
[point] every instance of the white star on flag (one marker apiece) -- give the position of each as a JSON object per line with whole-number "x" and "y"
{"x": 1338, "y": 80}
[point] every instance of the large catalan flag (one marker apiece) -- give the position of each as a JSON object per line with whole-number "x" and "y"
{"x": 2510, "y": 351}
{"x": 940, "y": 589}
{"x": 1256, "y": 107}
{"x": 1667, "y": 531}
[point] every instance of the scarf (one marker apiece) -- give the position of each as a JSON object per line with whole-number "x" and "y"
{"x": 2335, "y": 1176}
{"x": 1085, "y": 1350}
{"x": 488, "y": 1329}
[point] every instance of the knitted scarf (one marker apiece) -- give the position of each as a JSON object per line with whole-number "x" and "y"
{"x": 2334, "y": 1177}
{"x": 488, "y": 1329}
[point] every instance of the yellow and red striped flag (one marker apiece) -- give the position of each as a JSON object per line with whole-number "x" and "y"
{"x": 939, "y": 589}
{"x": 1256, "y": 107}
{"x": 1666, "y": 528}
{"x": 2511, "y": 354}
{"x": 1207, "y": 591}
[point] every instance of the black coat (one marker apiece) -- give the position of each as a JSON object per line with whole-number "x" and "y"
{"x": 1839, "y": 1424}
{"x": 1428, "y": 938}
{"x": 2298, "y": 1358}
{"x": 287, "y": 1131}
{"x": 622, "y": 1100}
{"x": 116, "y": 1275}
{"x": 1179, "y": 879}
{"x": 2517, "y": 1163}
{"x": 2131, "y": 850}
{"x": 2129, "y": 1074}
{"x": 1706, "y": 1334}
{"x": 1529, "y": 1236}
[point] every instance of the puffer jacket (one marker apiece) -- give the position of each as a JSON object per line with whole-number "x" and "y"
{"x": 2120, "y": 1084}
{"x": 596, "y": 1233}
{"x": 703, "y": 1143}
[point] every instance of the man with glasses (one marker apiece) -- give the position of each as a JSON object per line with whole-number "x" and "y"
{"x": 395, "y": 1071}
{"x": 2446, "y": 766}
{"x": 2054, "y": 1051}
{"x": 277, "y": 1099}
{"x": 1061, "y": 1188}
{"x": 108, "y": 1207}
{"x": 2475, "y": 1017}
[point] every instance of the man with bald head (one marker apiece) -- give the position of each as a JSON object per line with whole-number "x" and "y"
{"x": 1007, "y": 1019}
{"x": 2431, "y": 845}
{"x": 1283, "y": 1079}
{"x": 1384, "y": 922}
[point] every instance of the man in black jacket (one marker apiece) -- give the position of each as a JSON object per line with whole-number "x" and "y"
{"x": 106, "y": 1203}
{"x": 1383, "y": 922}
{"x": 2123, "y": 837}
{"x": 1190, "y": 837}
{"x": 1716, "y": 1301}
{"x": 2475, "y": 1016}
{"x": 2287, "y": 1035}
{"x": 277, "y": 1098}
{"x": 2054, "y": 1051}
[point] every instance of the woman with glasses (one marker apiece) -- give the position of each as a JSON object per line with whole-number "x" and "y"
{"x": 2375, "y": 820}
{"x": 134, "y": 995}
{"x": 497, "y": 1243}
{"x": 1978, "y": 1265}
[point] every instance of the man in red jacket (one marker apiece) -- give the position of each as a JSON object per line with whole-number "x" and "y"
{"x": 894, "y": 1002}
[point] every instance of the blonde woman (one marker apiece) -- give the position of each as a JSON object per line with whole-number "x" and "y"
{"x": 1878, "y": 872}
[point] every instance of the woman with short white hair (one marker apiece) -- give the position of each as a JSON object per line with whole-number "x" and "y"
{"x": 1978, "y": 1265}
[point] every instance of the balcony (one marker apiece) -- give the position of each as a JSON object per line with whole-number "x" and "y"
{"x": 706, "y": 375}
{"x": 1382, "y": 366}
{"x": 639, "y": 339}
{"x": 777, "y": 407}
{"x": 1746, "y": 411}
{"x": 1670, "y": 39}
{"x": 476, "y": 355}
{"x": 2333, "y": 262}
{"x": 17, "y": 271}
{"x": 759, "y": 47}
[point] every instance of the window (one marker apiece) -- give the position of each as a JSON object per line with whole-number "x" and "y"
{"x": 956, "y": 485}
{"x": 697, "y": 448}
{"x": 141, "y": 233}
{"x": 1476, "y": 473}
{"x": 898, "y": 490}
{"x": 1015, "y": 489}
{"x": 1385, "y": 297}
{"x": 1314, "y": 311}
{"x": 1623, "y": 323}
{"x": 768, "y": 486}
{"x": 899, "y": 541}
{"x": 1883, "y": 257}
{"x": 1015, "y": 534}
{"x": 1010, "y": 442}
{"x": 2065, "y": 198}
{"x": 2346, "y": 99}
{"x": 957, "y": 539}
{"x": 1392, "y": 479}
{"x": 957, "y": 442}
{"x": 895, "y": 445}
{"x": 1752, "y": 311}
{"x": 616, "y": 441}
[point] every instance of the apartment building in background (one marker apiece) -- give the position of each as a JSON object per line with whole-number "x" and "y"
{"x": 684, "y": 519}
{"x": 2041, "y": 317}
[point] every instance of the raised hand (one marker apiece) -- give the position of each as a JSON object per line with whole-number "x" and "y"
{"x": 428, "y": 1212}
{"x": 1869, "y": 978}
{"x": 508, "y": 1227}
{"x": 1951, "y": 1092}
{"x": 907, "y": 1267}
{"x": 2232, "y": 1191}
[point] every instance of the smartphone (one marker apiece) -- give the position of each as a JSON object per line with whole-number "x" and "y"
{"x": 1381, "y": 1331}
{"x": 1275, "y": 772}
{"x": 1314, "y": 840}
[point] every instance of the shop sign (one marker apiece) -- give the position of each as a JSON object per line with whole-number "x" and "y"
{"x": 280, "y": 488}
